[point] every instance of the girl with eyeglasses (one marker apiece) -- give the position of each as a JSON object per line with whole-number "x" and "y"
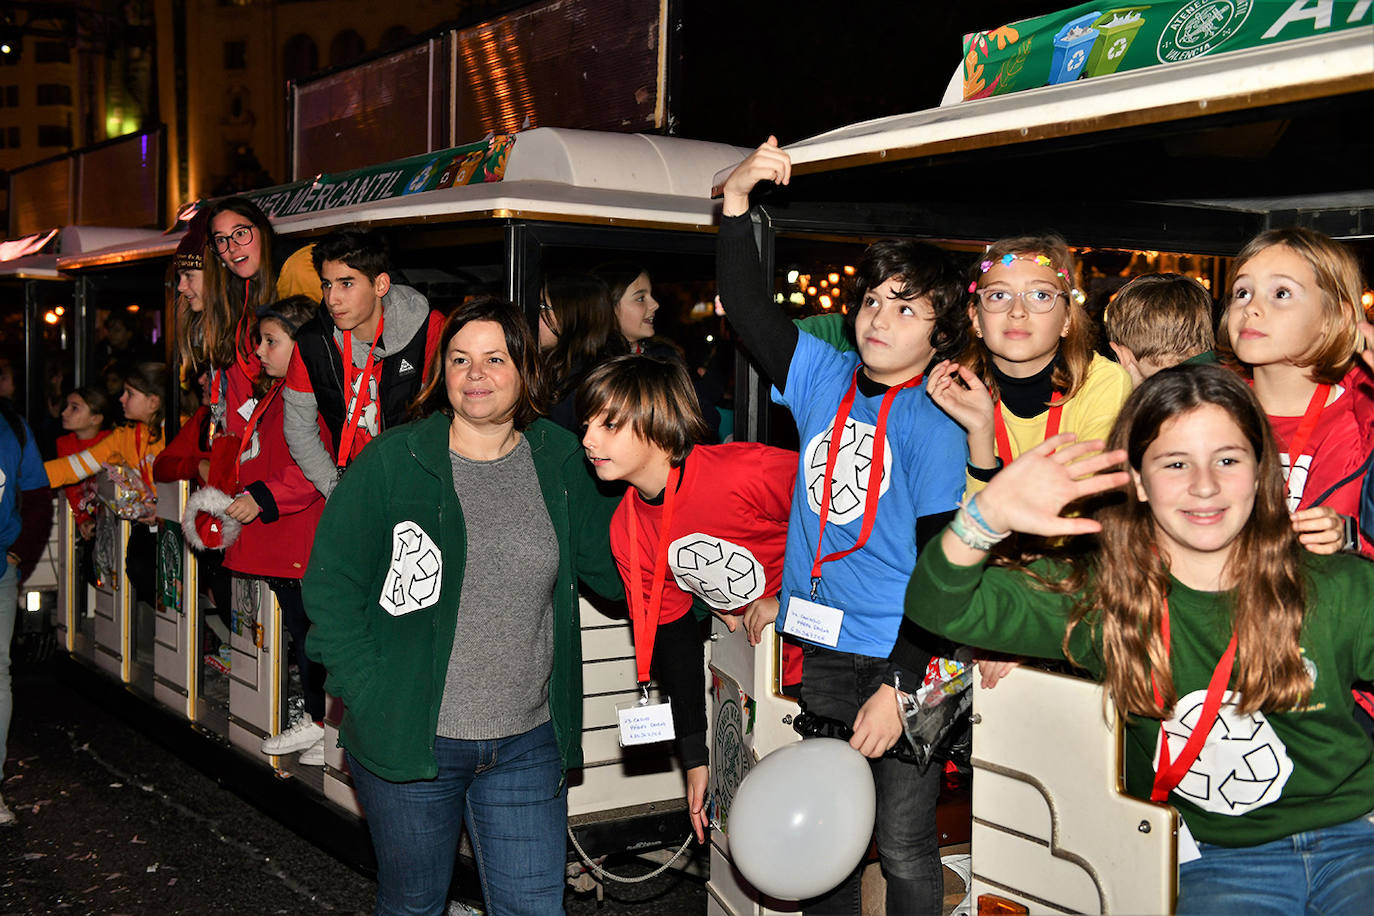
{"x": 240, "y": 278}
{"x": 1030, "y": 371}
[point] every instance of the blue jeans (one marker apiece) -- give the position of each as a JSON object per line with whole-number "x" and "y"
{"x": 9, "y": 611}
{"x": 835, "y": 685}
{"x": 511, "y": 795}
{"x": 1323, "y": 872}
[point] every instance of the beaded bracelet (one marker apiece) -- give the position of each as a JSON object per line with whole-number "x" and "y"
{"x": 971, "y": 533}
{"x": 971, "y": 506}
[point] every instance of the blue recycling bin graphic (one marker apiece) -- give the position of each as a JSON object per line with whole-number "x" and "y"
{"x": 1072, "y": 45}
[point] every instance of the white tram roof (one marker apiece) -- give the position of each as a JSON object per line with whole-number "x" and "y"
{"x": 1286, "y": 71}
{"x": 553, "y": 173}
{"x": 71, "y": 241}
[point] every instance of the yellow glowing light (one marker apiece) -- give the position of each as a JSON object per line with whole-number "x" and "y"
{"x": 792, "y": 276}
{"x": 825, "y": 302}
{"x": 132, "y": 307}
{"x": 797, "y": 299}
{"x": 849, "y": 270}
{"x": 51, "y": 317}
{"x": 834, "y": 278}
{"x": 60, "y": 311}
{"x": 1367, "y": 300}
{"x": 811, "y": 290}
{"x": 824, "y": 284}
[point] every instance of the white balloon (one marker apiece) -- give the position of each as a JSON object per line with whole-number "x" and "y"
{"x": 802, "y": 818}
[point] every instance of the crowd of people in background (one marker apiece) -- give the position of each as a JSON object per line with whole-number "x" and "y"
{"x": 424, "y": 493}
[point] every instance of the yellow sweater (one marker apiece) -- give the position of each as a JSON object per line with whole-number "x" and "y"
{"x": 1090, "y": 413}
{"x": 126, "y": 445}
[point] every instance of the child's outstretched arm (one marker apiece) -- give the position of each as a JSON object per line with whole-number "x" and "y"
{"x": 746, "y": 298}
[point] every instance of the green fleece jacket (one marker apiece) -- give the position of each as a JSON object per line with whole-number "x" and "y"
{"x": 1259, "y": 778}
{"x": 385, "y": 574}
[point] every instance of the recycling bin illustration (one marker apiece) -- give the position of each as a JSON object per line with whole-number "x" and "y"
{"x": 1116, "y": 30}
{"x": 1072, "y": 44}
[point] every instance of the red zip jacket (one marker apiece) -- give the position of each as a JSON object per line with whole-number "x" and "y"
{"x": 277, "y": 542}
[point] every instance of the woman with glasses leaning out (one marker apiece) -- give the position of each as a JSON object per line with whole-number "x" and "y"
{"x": 443, "y": 593}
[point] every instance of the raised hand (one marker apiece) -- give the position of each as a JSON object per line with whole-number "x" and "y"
{"x": 961, "y": 394}
{"x": 1031, "y": 492}
{"x": 767, "y": 163}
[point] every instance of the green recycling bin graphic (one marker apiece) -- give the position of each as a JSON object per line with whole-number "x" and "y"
{"x": 1116, "y": 29}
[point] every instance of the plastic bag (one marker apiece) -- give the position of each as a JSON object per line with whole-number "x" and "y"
{"x": 935, "y": 716}
{"x": 123, "y": 492}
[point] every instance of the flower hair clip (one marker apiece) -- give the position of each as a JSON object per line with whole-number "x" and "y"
{"x": 1008, "y": 259}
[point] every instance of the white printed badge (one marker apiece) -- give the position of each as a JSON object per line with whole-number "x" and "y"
{"x": 818, "y": 623}
{"x": 1187, "y": 846}
{"x": 645, "y": 722}
{"x": 246, "y": 409}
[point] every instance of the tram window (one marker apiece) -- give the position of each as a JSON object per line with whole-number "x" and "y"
{"x": 681, "y": 317}
{"x": 448, "y": 275}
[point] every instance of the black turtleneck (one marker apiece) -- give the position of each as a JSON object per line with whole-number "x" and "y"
{"x": 1026, "y": 397}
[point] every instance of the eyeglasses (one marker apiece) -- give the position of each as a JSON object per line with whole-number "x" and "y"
{"x": 240, "y": 237}
{"x": 1035, "y": 300}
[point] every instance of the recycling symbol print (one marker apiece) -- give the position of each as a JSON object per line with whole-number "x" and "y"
{"x": 1243, "y": 765}
{"x": 850, "y": 486}
{"x": 417, "y": 568}
{"x": 724, "y": 575}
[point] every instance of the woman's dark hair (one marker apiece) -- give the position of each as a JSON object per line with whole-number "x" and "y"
{"x": 151, "y": 379}
{"x": 97, "y": 401}
{"x": 582, "y": 310}
{"x": 228, "y": 318}
{"x": 926, "y": 272}
{"x": 520, "y": 344}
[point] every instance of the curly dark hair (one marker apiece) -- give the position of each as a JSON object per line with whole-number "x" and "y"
{"x": 926, "y": 272}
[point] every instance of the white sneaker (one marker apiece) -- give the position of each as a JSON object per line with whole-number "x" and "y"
{"x": 296, "y": 738}
{"x": 313, "y": 756}
{"x": 7, "y": 816}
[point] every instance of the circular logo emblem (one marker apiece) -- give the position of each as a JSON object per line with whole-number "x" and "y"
{"x": 1200, "y": 27}
{"x": 1117, "y": 49}
{"x": 724, "y": 575}
{"x": 850, "y": 486}
{"x": 728, "y": 755}
{"x": 422, "y": 177}
{"x": 1243, "y": 764}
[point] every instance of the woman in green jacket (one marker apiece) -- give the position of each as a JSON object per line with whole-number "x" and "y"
{"x": 1230, "y": 649}
{"x": 443, "y": 593}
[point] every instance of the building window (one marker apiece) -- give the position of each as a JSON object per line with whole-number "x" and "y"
{"x": 300, "y": 57}
{"x": 53, "y": 135}
{"x": 13, "y": 133}
{"x": 9, "y": 97}
{"x": 236, "y": 55}
{"x": 52, "y": 52}
{"x": 346, "y": 47}
{"x": 54, "y": 94}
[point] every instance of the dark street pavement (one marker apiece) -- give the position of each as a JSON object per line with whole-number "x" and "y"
{"x": 111, "y": 821}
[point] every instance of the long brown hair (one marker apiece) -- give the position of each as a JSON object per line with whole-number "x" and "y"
{"x": 1125, "y": 595}
{"x": 1075, "y": 349}
{"x": 228, "y": 323}
{"x": 520, "y": 344}
{"x": 655, "y": 396}
{"x": 1338, "y": 280}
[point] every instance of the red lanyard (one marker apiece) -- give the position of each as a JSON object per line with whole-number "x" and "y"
{"x": 999, "y": 424}
{"x": 258, "y": 410}
{"x": 355, "y": 399}
{"x": 875, "y": 471}
{"x": 1169, "y": 774}
{"x": 1298, "y": 447}
{"x": 645, "y": 618}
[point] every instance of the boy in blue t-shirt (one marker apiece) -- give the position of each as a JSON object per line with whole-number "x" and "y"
{"x": 865, "y": 500}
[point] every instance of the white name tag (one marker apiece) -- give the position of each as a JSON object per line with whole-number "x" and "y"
{"x": 246, "y": 409}
{"x": 1187, "y": 846}
{"x": 818, "y": 623}
{"x": 647, "y": 724}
